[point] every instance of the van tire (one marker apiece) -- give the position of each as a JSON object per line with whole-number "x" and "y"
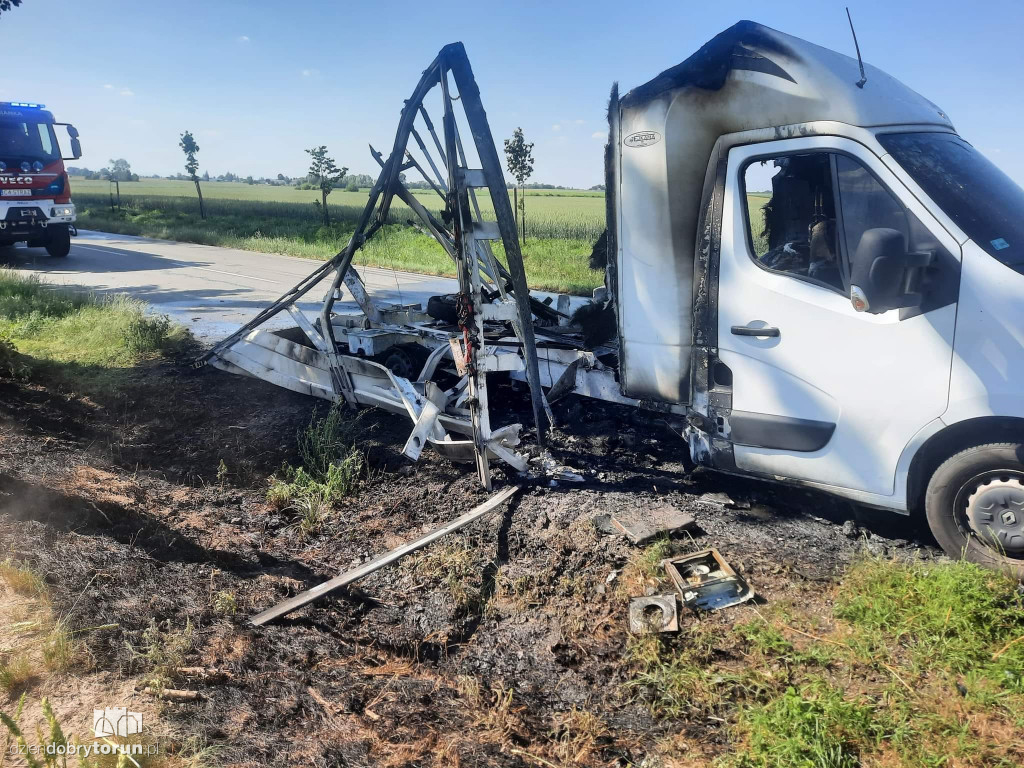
{"x": 949, "y": 491}
{"x": 59, "y": 244}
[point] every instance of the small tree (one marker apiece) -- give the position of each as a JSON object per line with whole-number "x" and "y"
{"x": 191, "y": 149}
{"x": 120, "y": 170}
{"x": 519, "y": 160}
{"x": 324, "y": 174}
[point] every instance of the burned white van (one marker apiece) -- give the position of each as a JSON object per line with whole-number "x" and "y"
{"x": 805, "y": 264}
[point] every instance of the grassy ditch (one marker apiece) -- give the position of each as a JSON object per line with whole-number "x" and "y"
{"x": 332, "y": 468}
{"x": 555, "y": 261}
{"x": 915, "y": 664}
{"x": 76, "y": 337}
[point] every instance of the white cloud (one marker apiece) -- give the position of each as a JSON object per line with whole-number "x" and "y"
{"x": 243, "y": 38}
{"x": 556, "y": 127}
{"x": 109, "y": 87}
{"x": 579, "y": 122}
{"x": 310, "y": 72}
{"x": 597, "y": 135}
{"x": 127, "y": 92}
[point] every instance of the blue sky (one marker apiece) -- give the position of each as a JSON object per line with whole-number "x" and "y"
{"x": 257, "y": 82}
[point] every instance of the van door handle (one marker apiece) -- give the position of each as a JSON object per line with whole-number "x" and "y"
{"x": 746, "y": 330}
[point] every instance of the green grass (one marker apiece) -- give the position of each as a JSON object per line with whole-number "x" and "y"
{"x": 916, "y": 664}
{"x": 332, "y": 468}
{"x": 556, "y": 259}
{"x": 454, "y": 565}
{"x": 755, "y": 212}
{"x": 76, "y": 334}
{"x": 813, "y": 727}
{"x": 958, "y": 618}
{"x": 163, "y": 649}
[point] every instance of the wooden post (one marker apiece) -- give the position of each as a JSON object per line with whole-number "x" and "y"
{"x": 515, "y": 203}
{"x": 523, "y": 217}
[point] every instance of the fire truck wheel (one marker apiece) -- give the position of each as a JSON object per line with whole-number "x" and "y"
{"x": 59, "y": 244}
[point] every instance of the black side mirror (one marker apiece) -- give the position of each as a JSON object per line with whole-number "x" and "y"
{"x": 883, "y": 275}
{"x": 76, "y": 145}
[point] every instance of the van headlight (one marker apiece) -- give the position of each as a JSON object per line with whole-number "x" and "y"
{"x": 62, "y": 210}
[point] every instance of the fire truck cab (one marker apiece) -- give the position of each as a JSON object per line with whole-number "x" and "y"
{"x": 35, "y": 195}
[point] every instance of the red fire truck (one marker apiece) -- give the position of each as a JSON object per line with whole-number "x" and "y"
{"x": 35, "y": 196}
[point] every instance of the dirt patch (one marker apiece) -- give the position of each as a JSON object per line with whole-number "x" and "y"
{"x": 502, "y": 645}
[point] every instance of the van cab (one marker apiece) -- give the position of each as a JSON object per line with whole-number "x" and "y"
{"x": 828, "y": 276}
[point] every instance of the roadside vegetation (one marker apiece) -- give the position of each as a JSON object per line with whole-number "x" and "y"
{"x": 332, "y": 468}
{"x": 81, "y": 337}
{"x": 561, "y": 232}
{"x": 919, "y": 664}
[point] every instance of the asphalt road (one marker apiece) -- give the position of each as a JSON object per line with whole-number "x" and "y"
{"x": 212, "y": 290}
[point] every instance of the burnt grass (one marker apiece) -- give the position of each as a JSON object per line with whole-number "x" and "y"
{"x": 477, "y": 651}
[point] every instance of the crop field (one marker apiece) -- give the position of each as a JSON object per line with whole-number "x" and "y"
{"x": 573, "y": 214}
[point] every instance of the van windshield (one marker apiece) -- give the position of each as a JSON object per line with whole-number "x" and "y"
{"x": 982, "y": 200}
{"x": 27, "y": 141}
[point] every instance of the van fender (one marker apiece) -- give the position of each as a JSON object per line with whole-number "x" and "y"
{"x": 984, "y": 419}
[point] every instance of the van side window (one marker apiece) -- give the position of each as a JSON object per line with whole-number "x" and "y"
{"x": 791, "y": 212}
{"x": 866, "y": 204}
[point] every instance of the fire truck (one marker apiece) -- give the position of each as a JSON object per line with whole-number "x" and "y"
{"x": 35, "y": 195}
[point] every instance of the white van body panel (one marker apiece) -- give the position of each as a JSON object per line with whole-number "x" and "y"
{"x": 987, "y": 377}
{"x": 880, "y": 379}
{"x": 654, "y": 285}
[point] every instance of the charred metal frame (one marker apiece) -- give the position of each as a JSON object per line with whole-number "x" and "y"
{"x": 488, "y": 291}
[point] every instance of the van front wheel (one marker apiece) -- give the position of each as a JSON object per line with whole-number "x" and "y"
{"x": 975, "y": 506}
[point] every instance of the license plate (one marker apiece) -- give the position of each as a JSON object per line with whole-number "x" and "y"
{"x": 15, "y": 192}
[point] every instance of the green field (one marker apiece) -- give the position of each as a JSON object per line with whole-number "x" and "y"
{"x": 549, "y": 213}
{"x": 562, "y": 225}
